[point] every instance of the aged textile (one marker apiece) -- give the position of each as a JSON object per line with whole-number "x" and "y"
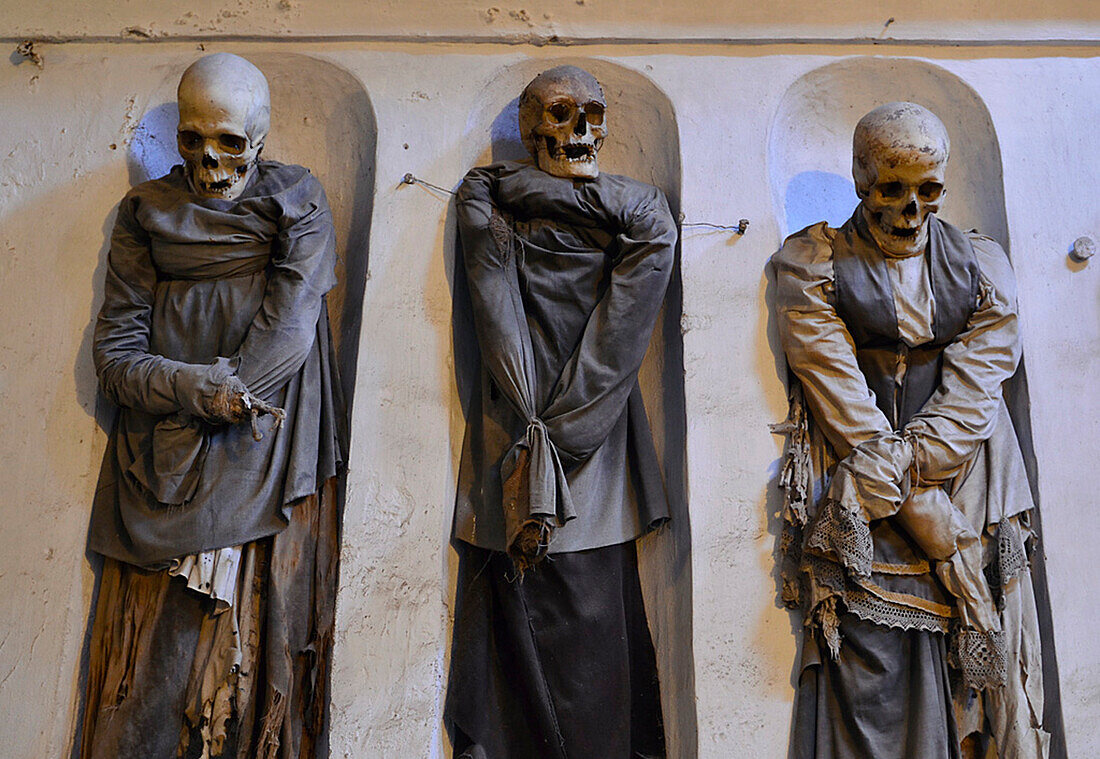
{"x": 900, "y": 449}
{"x": 213, "y": 627}
{"x": 198, "y": 290}
{"x": 175, "y": 674}
{"x": 564, "y": 656}
{"x": 565, "y": 297}
{"x": 552, "y": 655}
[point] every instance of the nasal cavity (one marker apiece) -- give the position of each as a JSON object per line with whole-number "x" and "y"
{"x": 911, "y": 209}
{"x": 209, "y": 162}
{"x": 582, "y": 124}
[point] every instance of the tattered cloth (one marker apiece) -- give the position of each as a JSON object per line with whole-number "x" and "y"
{"x": 172, "y": 675}
{"x": 197, "y": 290}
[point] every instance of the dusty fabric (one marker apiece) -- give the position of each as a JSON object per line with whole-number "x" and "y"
{"x": 557, "y": 665}
{"x": 918, "y": 436}
{"x": 898, "y": 676}
{"x": 199, "y": 291}
{"x": 566, "y": 280}
{"x": 172, "y": 676}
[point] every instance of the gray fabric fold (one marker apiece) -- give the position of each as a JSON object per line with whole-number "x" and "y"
{"x": 566, "y": 281}
{"x": 198, "y": 290}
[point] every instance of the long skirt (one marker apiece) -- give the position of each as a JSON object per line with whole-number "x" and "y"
{"x": 557, "y": 664}
{"x": 887, "y": 696}
{"x": 172, "y": 675}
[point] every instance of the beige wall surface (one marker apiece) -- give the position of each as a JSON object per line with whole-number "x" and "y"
{"x": 96, "y": 116}
{"x": 549, "y": 20}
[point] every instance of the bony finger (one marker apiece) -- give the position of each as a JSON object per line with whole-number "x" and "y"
{"x": 254, "y": 415}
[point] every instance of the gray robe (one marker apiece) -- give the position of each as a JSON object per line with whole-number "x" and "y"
{"x": 196, "y": 290}
{"x": 566, "y": 284}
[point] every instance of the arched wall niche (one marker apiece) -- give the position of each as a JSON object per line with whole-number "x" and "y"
{"x": 810, "y": 168}
{"x": 321, "y": 118}
{"x": 810, "y": 142}
{"x": 643, "y": 143}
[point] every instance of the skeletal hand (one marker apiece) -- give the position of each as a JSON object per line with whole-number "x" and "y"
{"x": 232, "y": 403}
{"x": 258, "y": 408}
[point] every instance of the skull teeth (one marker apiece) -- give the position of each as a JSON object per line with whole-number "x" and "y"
{"x": 574, "y": 152}
{"x": 903, "y": 232}
{"x": 900, "y": 232}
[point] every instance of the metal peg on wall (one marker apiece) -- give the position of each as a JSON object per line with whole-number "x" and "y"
{"x": 1083, "y": 249}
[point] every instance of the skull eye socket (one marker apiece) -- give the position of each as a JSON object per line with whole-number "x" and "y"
{"x": 234, "y": 143}
{"x": 190, "y": 140}
{"x": 594, "y": 113}
{"x": 891, "y": 190}
{"x": 559, "y": 113}
{"x": 930, "y": 191}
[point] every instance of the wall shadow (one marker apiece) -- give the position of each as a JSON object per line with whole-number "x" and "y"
{"x": 809, "y": 163}
{"x": 649, "y": 150}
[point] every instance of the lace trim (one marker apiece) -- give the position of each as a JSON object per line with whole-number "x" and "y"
{"x": 1011, "y": 555}
{"x": 841, "y": 533}
{"x": 982, "y": 657}
{"x": 870, "y": 608}
{"x": 844, "y": 540}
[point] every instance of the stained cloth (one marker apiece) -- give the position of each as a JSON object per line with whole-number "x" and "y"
{"x": 899, "y": 417}
{"x": 170, "y": 675}
{"x": 198, "y": 290}
{"x": 566, "y": 280}
{"x": 558, "y": 665}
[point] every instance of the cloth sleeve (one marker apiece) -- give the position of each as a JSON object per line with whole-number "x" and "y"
{"x": 532, "y": 473}
{"x": 497, "y": 307}
{"x": 598, "y": 378}
{"x": 302, "y": 270}
{"x": 128, "y": 373}
{"x": 961, "y": 414}
{"x": 596, "y": 382}
{"x": 819, "y": 349}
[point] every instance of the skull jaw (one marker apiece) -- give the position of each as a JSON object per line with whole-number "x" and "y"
{"x": 555, "y": 159}
{"x": 224, "y": 183}
{"x": 889, "y": 241}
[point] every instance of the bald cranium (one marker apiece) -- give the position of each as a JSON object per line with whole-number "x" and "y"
{"x": 561, "y": 121}
{"x": 225, "y": 113}
{"x": 899, "y": 158}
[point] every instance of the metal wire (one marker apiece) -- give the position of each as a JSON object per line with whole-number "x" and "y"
{"x": 739, "y": 228}
{"x": 411, "y": 178}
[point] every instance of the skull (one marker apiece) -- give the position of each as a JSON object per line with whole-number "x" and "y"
{"x": 899, "y": 159}
{"x": 225, "y": 112}
{"x": 561, "y": 121}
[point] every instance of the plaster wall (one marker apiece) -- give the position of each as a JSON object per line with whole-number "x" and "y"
{"x": 68, "y": 131}
{"x": 972, "y": 21}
